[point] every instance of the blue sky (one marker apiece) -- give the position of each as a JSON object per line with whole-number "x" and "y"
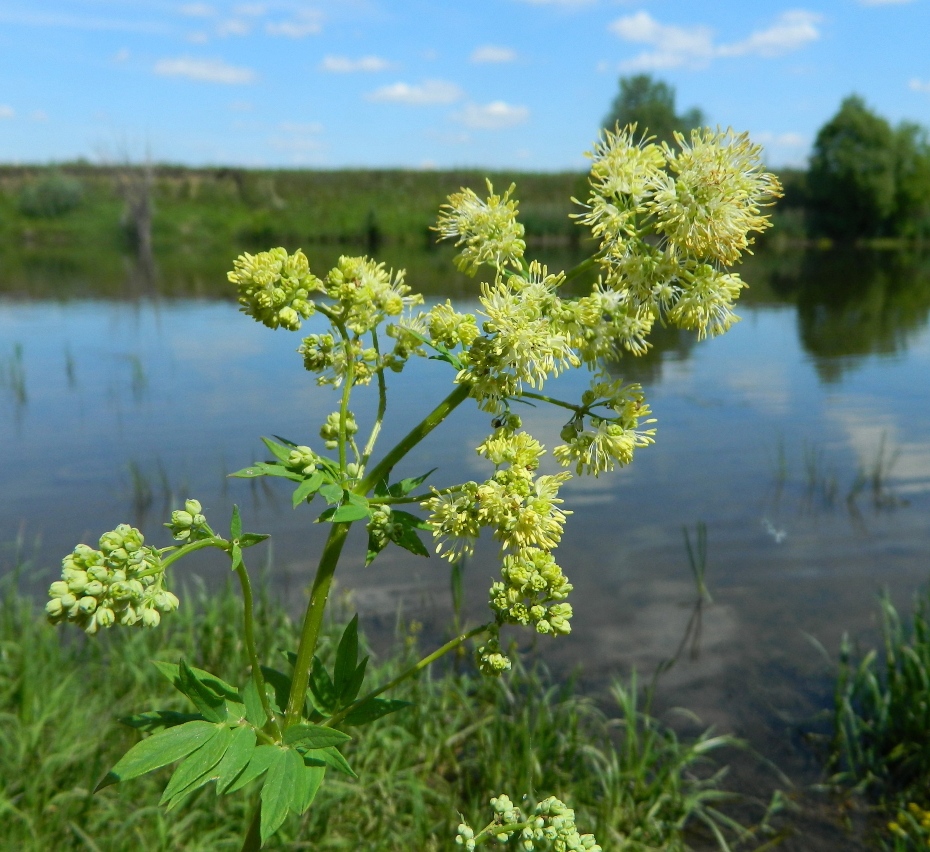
{"x": 488, "y": 83}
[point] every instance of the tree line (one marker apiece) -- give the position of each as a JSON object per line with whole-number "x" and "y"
{"x": 865, "y": 179}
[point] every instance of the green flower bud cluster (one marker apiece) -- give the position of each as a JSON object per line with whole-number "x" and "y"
{"x": 532, "y": 592}
{"x": 450, "y": 328}
{"x": 550, "y": 828}
{"x": 189, "y": 523}
{"x": 491, "y": 659}
{"x": 303, "y": 460}
{"x": 329, "y": 431}
{"x": 407, "y": 334}
{"x": 122, "y": 583}
{"x": 380, "y": 526}
{"x": 323, "y": 354}
{"x": 488, "y": 230}
{"x": 275, "y": 287}
{"x": 608, "y": 442}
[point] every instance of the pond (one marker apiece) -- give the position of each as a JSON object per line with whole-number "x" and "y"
{"x": 800, "y": 441}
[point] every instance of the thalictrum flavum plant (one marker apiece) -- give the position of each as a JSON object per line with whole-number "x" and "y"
{"x": 669, "y": 222}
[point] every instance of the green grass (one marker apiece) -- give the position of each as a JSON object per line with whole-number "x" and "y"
{"x": 631, "y": 779}
{"x": 881, "y": 713}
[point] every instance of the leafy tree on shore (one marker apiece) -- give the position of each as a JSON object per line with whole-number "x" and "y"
{"x": 868, "y": 179}
{"x": 650, "y": 104}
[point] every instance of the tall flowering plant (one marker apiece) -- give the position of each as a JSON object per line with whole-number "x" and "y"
{"x": 670, "y": 223}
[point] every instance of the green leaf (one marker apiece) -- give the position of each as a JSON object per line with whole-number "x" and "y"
{"x": 354, "y": 685}
{"x": 328, "y": 757}
{"x": 159, "y": 750}
{"x": 251, "y": 539}
{"x": 321, "y": 685}
{"x": 235, "y": 525}
{"x": 306, "y": 788}
{"x": 409, "y": 540}
{"x": 405, "y": 486}
{"x": 279, "y": 451}
{"x": 267, "y": 469}
{"x": 277, "y": 791}
{"x": 194, "y": 770}
{"x": 373, "y": 709}
{"x": 381, "y": 489}
{"x": 211, "y": 706}
{"x": 349, "y": 512}
{"x": 254, "y": 712}
{"x": 314, "y": 736}
{"x": 331, "y": 492}
{"x": 219, "y": 686}
{"x": 240, "y": 751}
{"x": 157, "y": 720}
{"x": 410, "y": 521}
{"x": 307, "y": 488}
{"x": 280, "y": 683}
{"x": 259, "y": 762}
{"x": 375, "y": 546}
{"x": 357, "y": 499}
{"x": 235, "y": 556}
{"x": 346, "y": 657}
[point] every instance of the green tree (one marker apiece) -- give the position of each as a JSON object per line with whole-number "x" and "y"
{"x": 868, "y": 179}
{"x": 651, "y": 105}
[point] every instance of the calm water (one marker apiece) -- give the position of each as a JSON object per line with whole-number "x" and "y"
{"x": 117, "y": 407}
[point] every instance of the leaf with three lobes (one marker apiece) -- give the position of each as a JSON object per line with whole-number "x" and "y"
{"x": 409, "y": 540}
{"x": 279, "y": 451}
{"x": 330, "y": 756}
{"x": 254, "y": 712}
{"x": 321, "y": 685}
{"x": 237, "y": 757}
{"x": 306, "y": 788}
{"x": 159, "y": 750}
{"x": 211, "y": 706}
{"x": 331, "y": 492}
{"x": 307, "y": 488}
{"x": 195, "y": 770}
{"x": 373, "y": 709}
{"x": 259, "y": 762}
{"x": 346, "y": 656}
{"x": 278, "y": 790}
{"x": 280, "y": 683}
{"x": 217, "y": 685}
{"x": 314, "y": 736}
{"x": 157, "y": 720}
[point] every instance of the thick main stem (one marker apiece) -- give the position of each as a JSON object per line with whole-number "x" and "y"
{"x": 383, "y": 469}
{"x": 253, "y": 839}
{"x": 313, "y": 620}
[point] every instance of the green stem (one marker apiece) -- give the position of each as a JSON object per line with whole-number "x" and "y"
{"x": 382, "y": 407}
{"x": 346, "y": 393}
{"x": 249, "y": 632}
{"x": 313, "y": 620}
{"x": 214, "y": 541}
{"x": 494, "y": 829}
{"x": 583, "y": 267}
{"x": 451, "y": 645}
{"x": 383, "y": 469}
{"x": 419, "y": 498}
{"x": 579, "y": 409}
{"x": 253, "y": 838}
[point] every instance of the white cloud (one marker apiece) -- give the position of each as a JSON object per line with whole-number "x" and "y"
{"x": 308, "y": 23}
{"x": 7, "y": 111}
{"x": 121, "y": 55}
{"x": 884, "y": 2}
{"x": 233, "y": 27}
{"x": 344, "y": 65}
{"x": 242, "y": 106}
{"x": 919, "y": 85}
{"x": 303, "y": 127}
{"x": 197, "y": 10}
{"x": 492, "y": 54}
{"x": 425, "y": 94}
{"x": 39, "y": 115}
{"x": 566, "y": 3}
{"x": 496, "y": 115}
{"x": 204, "y": 70}
{"x": 250, "y": 10}
{"x": 198, "y": 38}
{"x": 674, "y": 46}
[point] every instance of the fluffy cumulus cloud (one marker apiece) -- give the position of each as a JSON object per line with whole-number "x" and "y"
{"x": 427, "y": 93}
{"x": 672, "y": 46}
{"x": 496, "y": 115}
{"x": 344, "y": 65}
{"x": 205, "y": 70}
{"x": 490, "y": 54}
{"x": 920, "y": 85}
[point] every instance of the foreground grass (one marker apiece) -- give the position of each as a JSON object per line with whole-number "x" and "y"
{"x": 631, "y": 780}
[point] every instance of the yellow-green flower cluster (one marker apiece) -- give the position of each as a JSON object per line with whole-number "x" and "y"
{"x": 450, "y": 328}
{"x": 275, "y": 287}
{"x": 488, "y": 230}
{"x": 912, "y": 826}
{"x": 532, "y": 592}
{"x": 121, "y": 583}
{"x": 366, "y": 293}
{"x": 189, "y": 523}
{"x": 670, "y": 220}
{"x": 329, "y": 431}
{"x": 607, "y": 442}
{"x": 492, "y": 661}
{"x": 324, "y": 354}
